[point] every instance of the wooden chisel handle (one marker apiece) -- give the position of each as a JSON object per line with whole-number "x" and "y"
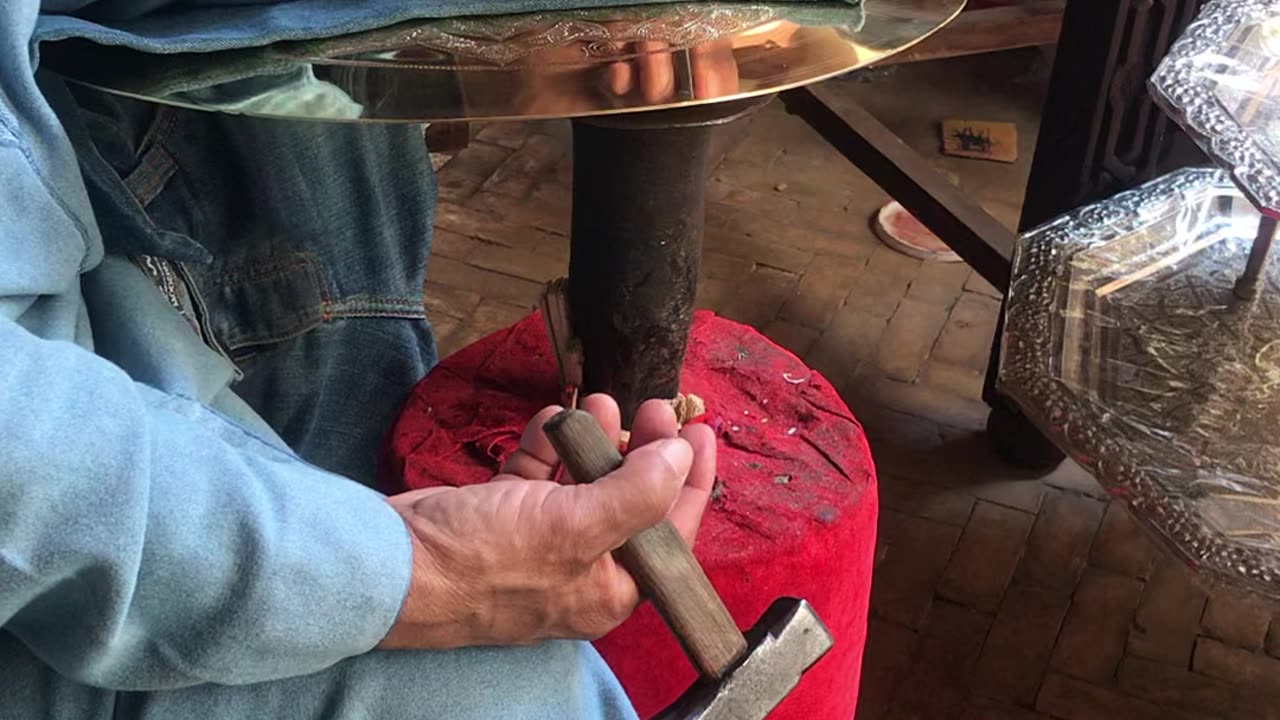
{"x": 658, "y": 559}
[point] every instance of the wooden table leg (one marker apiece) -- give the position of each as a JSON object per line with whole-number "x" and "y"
{"x": 978, "y": 238}
{"x": 636, "y": 248}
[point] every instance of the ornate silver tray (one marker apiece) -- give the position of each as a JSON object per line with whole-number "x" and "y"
{"x": 1126, "y": 344}
{"x": 1221, "y": 82}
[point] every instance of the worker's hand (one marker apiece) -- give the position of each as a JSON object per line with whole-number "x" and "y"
{"x": 522, "y": 559}
{"x": 652, "y": 71}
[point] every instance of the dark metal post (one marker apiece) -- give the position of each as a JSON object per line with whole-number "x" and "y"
{"x": 1101, "y": 132}
{"x": 638, "y": 209}
{"x": 1247, "y": 284}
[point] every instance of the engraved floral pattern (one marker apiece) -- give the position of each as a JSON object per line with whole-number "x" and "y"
{"x": 1221, "y": 83}
{"x": 502, "y": 40}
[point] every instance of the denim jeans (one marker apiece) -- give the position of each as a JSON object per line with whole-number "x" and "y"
{"x": 298, "y": 250}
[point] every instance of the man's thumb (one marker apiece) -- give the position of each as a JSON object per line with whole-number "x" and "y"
{"x": 637, "y": 495}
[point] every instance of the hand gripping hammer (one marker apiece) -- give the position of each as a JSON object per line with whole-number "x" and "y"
{"x": 740, "y": 677}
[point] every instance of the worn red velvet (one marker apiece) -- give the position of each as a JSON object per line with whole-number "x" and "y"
{"x": 796, "y": 513}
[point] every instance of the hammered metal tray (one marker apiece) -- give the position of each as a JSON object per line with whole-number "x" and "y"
{"x": 568, "y": 63}
{"x": 1221, "y": 83}
{"x": 1125, "y": 344}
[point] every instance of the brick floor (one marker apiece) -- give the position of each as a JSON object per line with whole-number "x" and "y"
{"x": 997, "y": 596}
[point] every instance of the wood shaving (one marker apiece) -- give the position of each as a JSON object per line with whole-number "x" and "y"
{"x": 687, "y": 407}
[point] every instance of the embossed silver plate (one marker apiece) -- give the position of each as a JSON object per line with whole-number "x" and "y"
{"x": 554, "y": 64}
{"x": 1124, "y": 343}
{"x": 1221, "y": 82}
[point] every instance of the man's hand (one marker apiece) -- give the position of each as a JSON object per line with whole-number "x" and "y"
{"x": 522, "y": 559}
{"x": 652, "y": 71}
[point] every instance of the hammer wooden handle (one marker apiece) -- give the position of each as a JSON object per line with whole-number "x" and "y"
{"x": 658, "y": 559}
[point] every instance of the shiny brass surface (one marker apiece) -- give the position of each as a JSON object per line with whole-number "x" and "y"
{"x": 544, "y": 65}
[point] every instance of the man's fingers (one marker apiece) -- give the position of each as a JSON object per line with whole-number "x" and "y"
{"x": 620, "y": 75}
{"x": 654, "y": 420}
{"x": 657, "y": 71}
{"x": 715, "y": 71}
{"x": 635, "y": 496}
{"x": 536, "y": 459}
{"x": 605, "y": 410}
{"x": 686, "y": 514}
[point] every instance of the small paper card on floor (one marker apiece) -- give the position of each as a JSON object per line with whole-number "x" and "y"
{"x": 980, "y": 139}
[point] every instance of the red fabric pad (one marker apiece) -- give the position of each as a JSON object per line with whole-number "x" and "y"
{"x": 795, "y": 514}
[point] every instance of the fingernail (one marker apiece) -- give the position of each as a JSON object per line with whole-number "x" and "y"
{"x": 677, "y": 452}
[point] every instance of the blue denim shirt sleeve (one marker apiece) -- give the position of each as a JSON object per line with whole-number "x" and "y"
{"x": 146, "y": 540}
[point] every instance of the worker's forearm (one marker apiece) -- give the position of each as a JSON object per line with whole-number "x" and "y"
{"x": 146, "y": 542}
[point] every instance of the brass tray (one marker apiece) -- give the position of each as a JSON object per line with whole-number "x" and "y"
{"x": 542, "y": 65}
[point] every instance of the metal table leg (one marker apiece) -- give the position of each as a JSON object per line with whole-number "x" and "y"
{"x": 1246, "y": 287}
{"x": 636, "y": 245}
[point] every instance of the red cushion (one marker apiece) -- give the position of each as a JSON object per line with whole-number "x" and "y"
{"x": 796, "y": 514}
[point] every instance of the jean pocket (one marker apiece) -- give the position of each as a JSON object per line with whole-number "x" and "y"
{"x": 265, "y": 301}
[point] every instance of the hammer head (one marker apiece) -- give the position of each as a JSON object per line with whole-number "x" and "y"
{"x": 786, "y": 641}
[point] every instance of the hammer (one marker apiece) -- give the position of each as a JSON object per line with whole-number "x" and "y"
{"x": 740, "y": 677}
